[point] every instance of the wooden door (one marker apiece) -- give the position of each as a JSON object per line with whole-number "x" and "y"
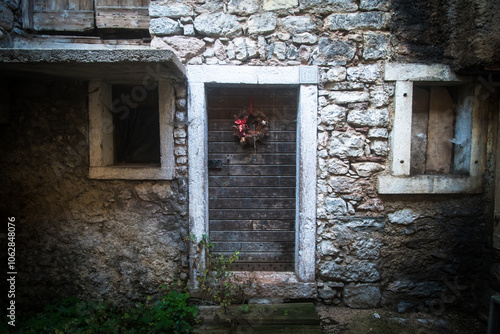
{"x": 252, "y": 189}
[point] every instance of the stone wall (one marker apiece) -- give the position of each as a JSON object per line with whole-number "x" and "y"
{"x": 10, "y": 21}
{"x": 405, "y": 252}
{"x": 120, "y": 240}
{"x": 109, "y": 240}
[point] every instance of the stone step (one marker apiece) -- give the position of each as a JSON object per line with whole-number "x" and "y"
{"x": 269, "y": 329}
{"x": 261, "y": 318}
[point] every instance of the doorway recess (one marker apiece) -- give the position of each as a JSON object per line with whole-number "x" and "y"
{"x": 303, "y": 80}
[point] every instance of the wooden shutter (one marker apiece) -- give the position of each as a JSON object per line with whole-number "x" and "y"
{"x": 252, "y": 190}
{"x": 122, "y": 14}
{"x": 62, "y": 15}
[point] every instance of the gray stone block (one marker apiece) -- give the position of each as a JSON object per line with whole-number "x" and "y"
{"x": 336, "y": 49}
{"x": 217, "y": 25}
{"x": 361, "y": 295}
{"x": 164, "y": 26}
{"x": 352, "y": 21}
{"x": 298, "y": 24}
{"x": 262, "y": 23}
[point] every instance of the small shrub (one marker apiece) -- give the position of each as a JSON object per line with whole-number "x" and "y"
{"x": 170, "y": 314}
{"x": 218, "y": 284}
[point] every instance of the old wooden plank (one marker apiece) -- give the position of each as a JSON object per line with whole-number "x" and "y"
{"x": 27, "y": 14}
{"x": 463, "y": 129}
{"x": 262, "y": 147}
{"x": 252, "y": 203}
{"x": 255, "y": 159}
{"x": 57, "y": 4}
{"x": 227, "y": 124}
{"x": 263, "y": 318}
{"x": 252, "y": 225}
{"x": 242, "y": 236}
{"x": 238, "y": 102}
{"x": 262, "y": 266}
{"x": 251, "y": 214}
{"x": 252, "y": 170}
{"x": 259, "y": 329}
{"x": 441, "y": 131}
{"x": 39, "y": 5}
{"x": 64, "y": 20}
{"x": 264, "y": 257}
{"x": 254, "y": 246}
{"x": 227, "y": 135}
{"x": 252, "y": 181}
{"x": 281, "y": 113}
{"x": 243, "y": 192}
{"x": 122, "y": 17}
{"x": 419, "y": 129}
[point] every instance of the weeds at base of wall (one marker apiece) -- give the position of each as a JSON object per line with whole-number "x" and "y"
{"x": 171, "y": 314}
{"x": 217, "y": 283}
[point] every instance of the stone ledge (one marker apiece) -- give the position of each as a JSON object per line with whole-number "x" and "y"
{"x": 117, "y": 64}
{"x": 419, "y": 72}
{"x": 131, "y": 173}
{"x": 429, "y": 184}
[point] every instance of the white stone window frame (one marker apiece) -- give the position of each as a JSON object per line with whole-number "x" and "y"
{"x": 101, "y": 142}
{"x": 304, "y": 77}
{"x": 400, "y": 181}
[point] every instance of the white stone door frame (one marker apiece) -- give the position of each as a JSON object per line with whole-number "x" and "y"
{"x": 306, "y": 78}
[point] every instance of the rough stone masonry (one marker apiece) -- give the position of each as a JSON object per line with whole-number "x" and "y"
{"x": 405, "y": 252}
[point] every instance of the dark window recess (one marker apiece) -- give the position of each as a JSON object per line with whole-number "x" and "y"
{"x": 136, "y": 125}
{"x": 441, "y": 130}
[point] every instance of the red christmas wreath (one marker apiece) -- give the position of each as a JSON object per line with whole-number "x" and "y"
{"x": 250, "y": 127}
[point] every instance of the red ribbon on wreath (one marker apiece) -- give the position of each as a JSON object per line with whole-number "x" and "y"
{"x": 241, "y": 124}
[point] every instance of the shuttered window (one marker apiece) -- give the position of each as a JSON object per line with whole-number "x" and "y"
{"x": 85, "y": 15}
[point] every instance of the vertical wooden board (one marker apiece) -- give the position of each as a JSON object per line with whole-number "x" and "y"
{"x": 62, "y": 15}
{"x": 441, "y": 131}
{"x": 463, "y": 130}
{"x": 39, "y": 5}
{"x": 122, "y": 14}
{"x": 419, "y": 128}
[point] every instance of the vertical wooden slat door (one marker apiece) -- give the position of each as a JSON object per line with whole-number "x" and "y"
{"x": 122, "y": 14}
{"x": 63, "y": 15}
{"x": 252, "y": 189}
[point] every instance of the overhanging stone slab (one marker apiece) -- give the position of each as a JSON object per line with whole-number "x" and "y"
{"x": 117, "y": 65}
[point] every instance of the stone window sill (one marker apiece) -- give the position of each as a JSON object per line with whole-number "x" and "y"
{"x": 429, "y": 184}
{"x": 131, "y": 173}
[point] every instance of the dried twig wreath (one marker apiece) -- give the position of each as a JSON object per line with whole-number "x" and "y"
{"x": 250, "y": 127}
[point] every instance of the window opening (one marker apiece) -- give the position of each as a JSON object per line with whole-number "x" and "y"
{"x": 441, "y": 130}
{"x": 136, "y": 125}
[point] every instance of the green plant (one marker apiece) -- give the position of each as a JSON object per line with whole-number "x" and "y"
{"x": 72, "y": 315}
{"x": 217, "y": 282}
{"x": 171, "y": 314}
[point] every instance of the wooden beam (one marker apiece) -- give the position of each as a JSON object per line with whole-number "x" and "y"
{"x": 122, "y": 18}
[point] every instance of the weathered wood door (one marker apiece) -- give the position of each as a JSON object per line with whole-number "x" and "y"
{"x": 252, "y": 189}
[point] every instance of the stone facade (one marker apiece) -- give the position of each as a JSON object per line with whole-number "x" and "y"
{"x": 406, "y": 252}
{"x": 10, "y": 22}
